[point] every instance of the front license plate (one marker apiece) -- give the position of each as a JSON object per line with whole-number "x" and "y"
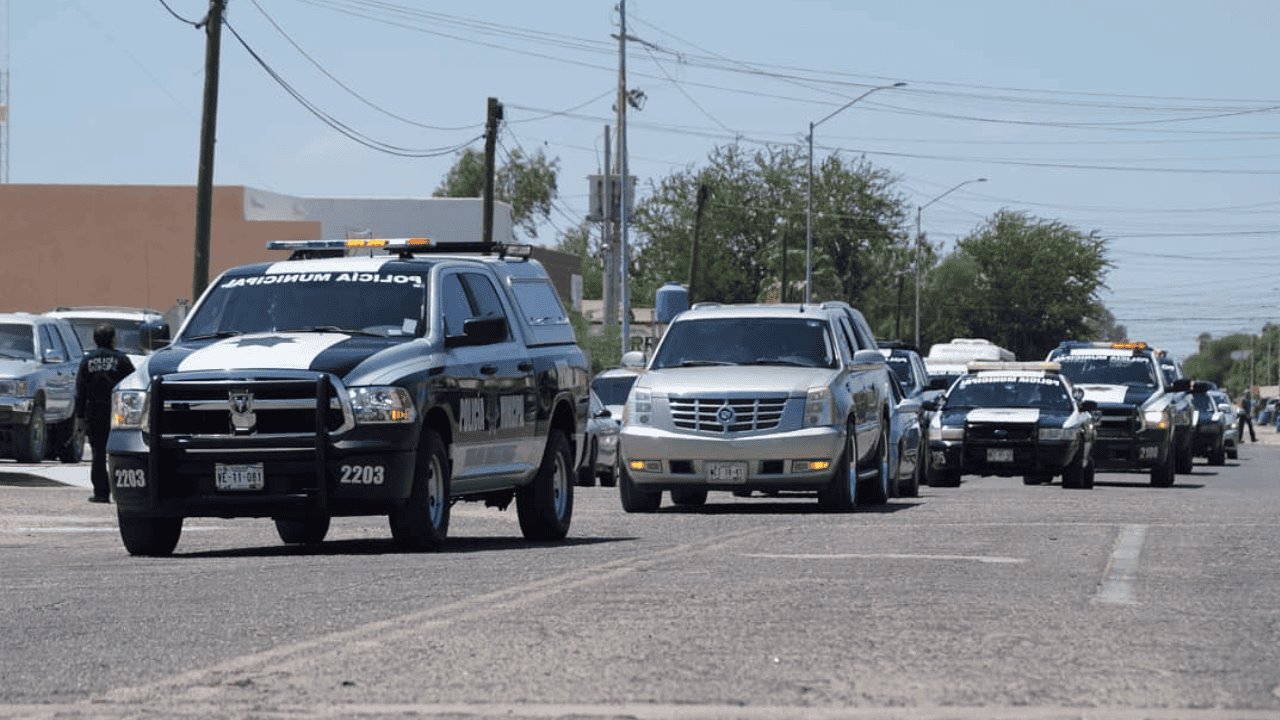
{"x": 727, "y": 472}
{"x": 1148, "y": 452}
{"x": 238, "y": 477}
{"x": 999, "y": 454}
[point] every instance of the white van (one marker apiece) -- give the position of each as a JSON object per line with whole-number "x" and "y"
{"x": 948, "y": 361}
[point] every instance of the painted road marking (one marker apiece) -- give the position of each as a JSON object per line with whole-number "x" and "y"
{"x": 990, "y": 559}
{"x": 1117, "y": 587}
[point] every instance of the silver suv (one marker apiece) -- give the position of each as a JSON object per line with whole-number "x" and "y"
{"x": 759, "y": 397}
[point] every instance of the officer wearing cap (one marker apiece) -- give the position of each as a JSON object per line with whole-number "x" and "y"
{"x": 100, "y": 370}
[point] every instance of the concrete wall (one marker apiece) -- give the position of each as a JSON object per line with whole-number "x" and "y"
{"x": 128, "y": 245}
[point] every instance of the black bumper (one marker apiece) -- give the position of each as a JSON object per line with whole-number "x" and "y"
{"x": 1139, "y": 451}
{"x": 972, "y": 458}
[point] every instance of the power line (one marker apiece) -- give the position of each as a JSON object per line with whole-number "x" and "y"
{"x": 342, "y": 128}
{"x": 192, "y": 23}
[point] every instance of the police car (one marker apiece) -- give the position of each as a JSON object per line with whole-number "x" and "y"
{"x": 394, "y": 384}
{"x": 1012, "y": 418}
{"x": 1137, "y": 404}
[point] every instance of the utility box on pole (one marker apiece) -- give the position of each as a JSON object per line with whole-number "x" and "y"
{"x": 596, "y": 209}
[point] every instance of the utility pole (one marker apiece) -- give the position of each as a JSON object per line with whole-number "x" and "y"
{"x": 704, "y": 192}
{"x": 493, "y": 117}
{"x": 208, "y": 135}
{"x": 623, "y": 293}
{"x": 609, "y": 239}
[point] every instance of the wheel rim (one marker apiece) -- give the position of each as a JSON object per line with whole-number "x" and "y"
{"x": 435, "y": 493}
{"x": 560, "y": 487}
{"x": 851, "y": 451}
{"x": 884, "y": 462}
{"x": 37, "y": 433}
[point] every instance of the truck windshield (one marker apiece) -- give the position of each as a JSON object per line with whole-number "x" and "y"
{"x": 17, "y": 342}
{"x": 128, "y": 337}
{"x": 367, "y": 303}
{"x": 1009, "y": 392}
{"x": 1108, "y": 369}
{"x": 795, "y": 341}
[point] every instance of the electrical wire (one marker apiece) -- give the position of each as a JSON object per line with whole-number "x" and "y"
{"x": 192, "y": 23}
{"x": 342, "y": 128}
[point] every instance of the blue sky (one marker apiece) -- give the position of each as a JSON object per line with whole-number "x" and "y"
{"x": 1154, "y": 123}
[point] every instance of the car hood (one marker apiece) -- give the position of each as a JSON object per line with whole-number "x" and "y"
{"x": 17, "y": 368}
{"x": 750, "y": 379}
{"x": 1011, "y": 416}
{"x": 1117, "y": 394}
{"x": 335, "y": 353}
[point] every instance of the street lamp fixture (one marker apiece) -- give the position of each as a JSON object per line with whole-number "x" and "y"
{"x": 919, "y": 210}
{"x": 808, "y": 196}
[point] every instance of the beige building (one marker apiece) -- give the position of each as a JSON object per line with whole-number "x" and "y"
{"x": 133, "y": 245}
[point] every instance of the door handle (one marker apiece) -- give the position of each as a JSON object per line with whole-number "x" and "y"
{"x": 488, "y": 369}
{"x": 525, "y": 366}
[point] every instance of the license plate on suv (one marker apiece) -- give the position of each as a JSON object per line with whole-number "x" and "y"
{"x": 238, "y": 477}
{"x": 727, "y": 472}
{"x": 1000, "y": 455}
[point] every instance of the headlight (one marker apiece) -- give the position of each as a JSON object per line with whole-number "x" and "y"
{"x": 381, "y": 405}
{"x": 130, "y": 409}
{"x": 15, "y": 388}
{"x": 1049, "y": 433}
{"x": 1155, "y": 419}
{"x": 639, "y": 408}
{"x": 818, "y": 408}
{"x": 945, "y": 432}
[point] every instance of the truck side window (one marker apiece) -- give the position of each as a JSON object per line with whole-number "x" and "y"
{"x": 456, "y": 305}
{"x": 846, "y": 339}
{"x": 51, "y": 341}
{"x": 484, "y": 296}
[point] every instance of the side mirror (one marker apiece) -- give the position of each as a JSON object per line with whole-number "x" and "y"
{"x": 1089, "y": 406}
{"x": 868, "y": 358}
{"x": 1181, "y": 385}
{"x": 633, "y": 360}
{"x": 1224, "y": 407}
{"x": 54, "y": 356}
{"x": 603, "y": 413}
{"x": 154, "y": 335}
{"x": 930, "y": 405}
{"x": 479, "y": 331}
{"x": 910, "y": 406}
{"x": 1201, "y": 387}
{"x": 1078, "y": 394}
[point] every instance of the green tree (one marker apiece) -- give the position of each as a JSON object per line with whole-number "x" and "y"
{"x": 756, "y": 208}
{"x": 581, "y": 241}
{"x": 527, "y": 182}
{"x": 1022, "y": 282}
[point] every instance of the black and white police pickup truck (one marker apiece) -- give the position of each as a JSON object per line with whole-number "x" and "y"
{"x": 326, "y": 385}
{"x": 1138, "y": 405}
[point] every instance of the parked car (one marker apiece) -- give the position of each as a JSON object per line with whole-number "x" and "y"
{"x": 39, "y": 360}
{"x": 135, "y": 327}
{"x": 759, "y": 397}
{"x": 601, "y": 458}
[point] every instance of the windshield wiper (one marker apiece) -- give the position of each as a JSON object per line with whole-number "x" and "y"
{"x": 221, "y": 334}
{"x": 780, "y": 361}
{"x": 703, "y": 363}
{"x": 331, "y": 329}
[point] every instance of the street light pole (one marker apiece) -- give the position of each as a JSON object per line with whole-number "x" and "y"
{"x": 919, "y": 246}
{"x": 808, "y": 195}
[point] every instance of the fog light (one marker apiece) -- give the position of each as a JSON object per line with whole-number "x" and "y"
{"x": 810, "y": 465}
{"x": 636, "y": 464}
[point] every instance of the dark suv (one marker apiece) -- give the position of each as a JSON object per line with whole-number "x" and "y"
{"x": 39, "y": 359}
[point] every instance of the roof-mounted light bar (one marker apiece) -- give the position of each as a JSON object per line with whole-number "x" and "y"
{"x": 404, "y": 246}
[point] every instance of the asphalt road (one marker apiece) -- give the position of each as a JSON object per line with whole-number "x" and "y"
{"x": 991, "y": 600}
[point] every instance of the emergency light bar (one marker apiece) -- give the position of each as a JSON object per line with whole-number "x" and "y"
{"x": 1051, "y": 368}
{"x": 404, "y": 246}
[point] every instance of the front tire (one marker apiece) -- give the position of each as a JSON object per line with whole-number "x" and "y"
{"x": 149, "y": 536}
{"x": 1218, "y": 455}
{"x": 841, "y": 493}
{"x": 1073, "y": 474}
{"x": 1162, "y": 475}
{"x": 587, "y": 471}
{"x": 304, "y": 531}
{"x": 634, "y": 499}
{"x": 878, "y": 492}
{"x": 1185, "y": 459}
{"x": 422, "y": 522}
{"x": 689, "y": 497}
{"x": 910, "y": 487}
{"x": 32, "y": 442}
{"x": 545, "y": 506}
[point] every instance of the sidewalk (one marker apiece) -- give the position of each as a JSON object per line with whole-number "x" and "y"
{"x": 1267, "y": 435}
{"x": 74, "y": 475}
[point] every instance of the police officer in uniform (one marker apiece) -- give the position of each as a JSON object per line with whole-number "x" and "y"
{"x": 100, "y": 370}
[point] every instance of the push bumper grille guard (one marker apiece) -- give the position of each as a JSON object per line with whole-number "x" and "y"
{"x": 323, "y": 387}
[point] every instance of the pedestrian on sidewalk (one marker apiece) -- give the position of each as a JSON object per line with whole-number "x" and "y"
{"x": 1246, "y": 418}
{"x": 100, "y": 370}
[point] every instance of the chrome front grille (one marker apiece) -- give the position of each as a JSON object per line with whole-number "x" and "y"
{"x": 278, "y": 407}
{"x": 721, "y": 414}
